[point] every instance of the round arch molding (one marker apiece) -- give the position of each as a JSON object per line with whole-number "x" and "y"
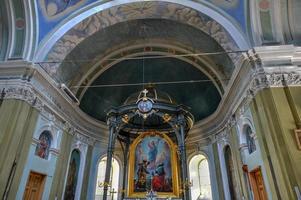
{"x": 149, "y": 49}
{"x": 72, "y": 31}
{"x": 18, "y": 29}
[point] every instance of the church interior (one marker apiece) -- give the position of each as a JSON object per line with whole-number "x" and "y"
{"x": 150, "y": 99}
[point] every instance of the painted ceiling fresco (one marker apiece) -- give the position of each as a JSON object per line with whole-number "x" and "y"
{"x": 135, "y": 32}
{"x": 52, "y": 12}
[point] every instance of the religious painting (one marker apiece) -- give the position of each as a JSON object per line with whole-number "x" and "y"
{"x": 230, "y": 172}
{"x": 43, "y": 146}
{"x": 57, "y": 8}
{"x": 153, "y": 165}
{"x": 72, "y": 175}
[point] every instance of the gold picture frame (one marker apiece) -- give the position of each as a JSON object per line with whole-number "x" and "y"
{"x": 174, "y": 167}
{"x": 298, "y": 138}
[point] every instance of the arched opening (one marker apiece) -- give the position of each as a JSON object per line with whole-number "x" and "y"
{"x": 3, "y": 31}
{"x": 72, "y": 177}
{"x": 114, "y": 180}
{"x": 200, "y": 177}
{"x": 250, "y": 139}
{"x": 230, "y": 173}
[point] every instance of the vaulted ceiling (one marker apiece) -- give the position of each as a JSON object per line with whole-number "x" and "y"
{"x": 95, "y": 62}
{"x": 202, "y": 97}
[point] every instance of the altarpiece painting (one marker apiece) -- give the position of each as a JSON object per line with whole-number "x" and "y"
{"x": 153, "y": 165}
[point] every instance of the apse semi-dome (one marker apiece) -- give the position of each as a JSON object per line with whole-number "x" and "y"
{"x": 121, "y": 84}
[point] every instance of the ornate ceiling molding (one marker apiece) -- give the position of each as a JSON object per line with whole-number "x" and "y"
{"x": 143, "y": 10}
{"x": 264, "y": 67}
{"x": 23, "y": 81}
{"x": 261, "y": 67}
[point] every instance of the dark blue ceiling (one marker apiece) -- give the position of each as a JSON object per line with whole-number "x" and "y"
{"x": 202, "y": 97}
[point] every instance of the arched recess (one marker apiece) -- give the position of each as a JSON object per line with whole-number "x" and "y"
{"x": 43, "y": 147}
{"x": 200, "y": 177}
{"x": 73, "y": 31}
{"x": 73, "y": 175}
{"x": 4, "y": 31}
{"x": 114, "y": 182}
{"x": 22, "y": 30}
{"x": 230, "y": 173}
{"x": 247, "y": 134}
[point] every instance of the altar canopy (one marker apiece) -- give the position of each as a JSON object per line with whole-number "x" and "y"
{"x": 151, "y": 128}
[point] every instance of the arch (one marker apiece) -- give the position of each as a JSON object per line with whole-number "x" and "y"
{"x": 51, "y": 130}
{"x": 200, "y": 177}
{"x": 203, "y": 64}
{"x": 22, "y": 29}
{"x": 73, "y": 174}
{"x": 97, "y": 16}
{"x": 230, "y": 172}
{"x": 4, "y": 31}
{"x": 115, "y": 172}
{"x": 249, "y": 137}
{"x": 43, "y": 147}
{"x": 245, "y": 123}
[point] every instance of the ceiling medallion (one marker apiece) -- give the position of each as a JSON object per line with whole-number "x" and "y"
{"x": 145, "y": 105}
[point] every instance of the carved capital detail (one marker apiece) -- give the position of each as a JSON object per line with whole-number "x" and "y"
{"x": 293, "y": 79}
{"x": 85, "y": 139}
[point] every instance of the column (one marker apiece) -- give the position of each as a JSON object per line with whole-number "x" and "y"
{"x": 125, "y": 166}
{"x": 181, "y": 124}
{"x": 112, "y": 138}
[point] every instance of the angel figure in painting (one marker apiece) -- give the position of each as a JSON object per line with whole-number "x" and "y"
{"x": 152, "y": 153}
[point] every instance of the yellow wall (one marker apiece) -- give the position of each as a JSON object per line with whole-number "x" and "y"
{"x": 17, "y": 124}
{"x": 57, "y": 187}
{"x": 275, "y": 124}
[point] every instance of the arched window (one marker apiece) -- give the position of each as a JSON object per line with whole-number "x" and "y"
{"x": 230, "y": 172}
{"x": 42, "y": 149}
{"x": 72, "y": 175}
{"x": 250, "y": 140}
{"x": 200, "y": 177}
{"x": 113, "y": 184}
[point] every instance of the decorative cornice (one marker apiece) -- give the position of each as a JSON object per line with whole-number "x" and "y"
{"x": 85, "y": 139}
{"x": 22, "y": 81}
{"x": 261, "y": 67}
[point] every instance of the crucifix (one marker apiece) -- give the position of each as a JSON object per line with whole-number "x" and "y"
{"x": 113, "y": 191}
